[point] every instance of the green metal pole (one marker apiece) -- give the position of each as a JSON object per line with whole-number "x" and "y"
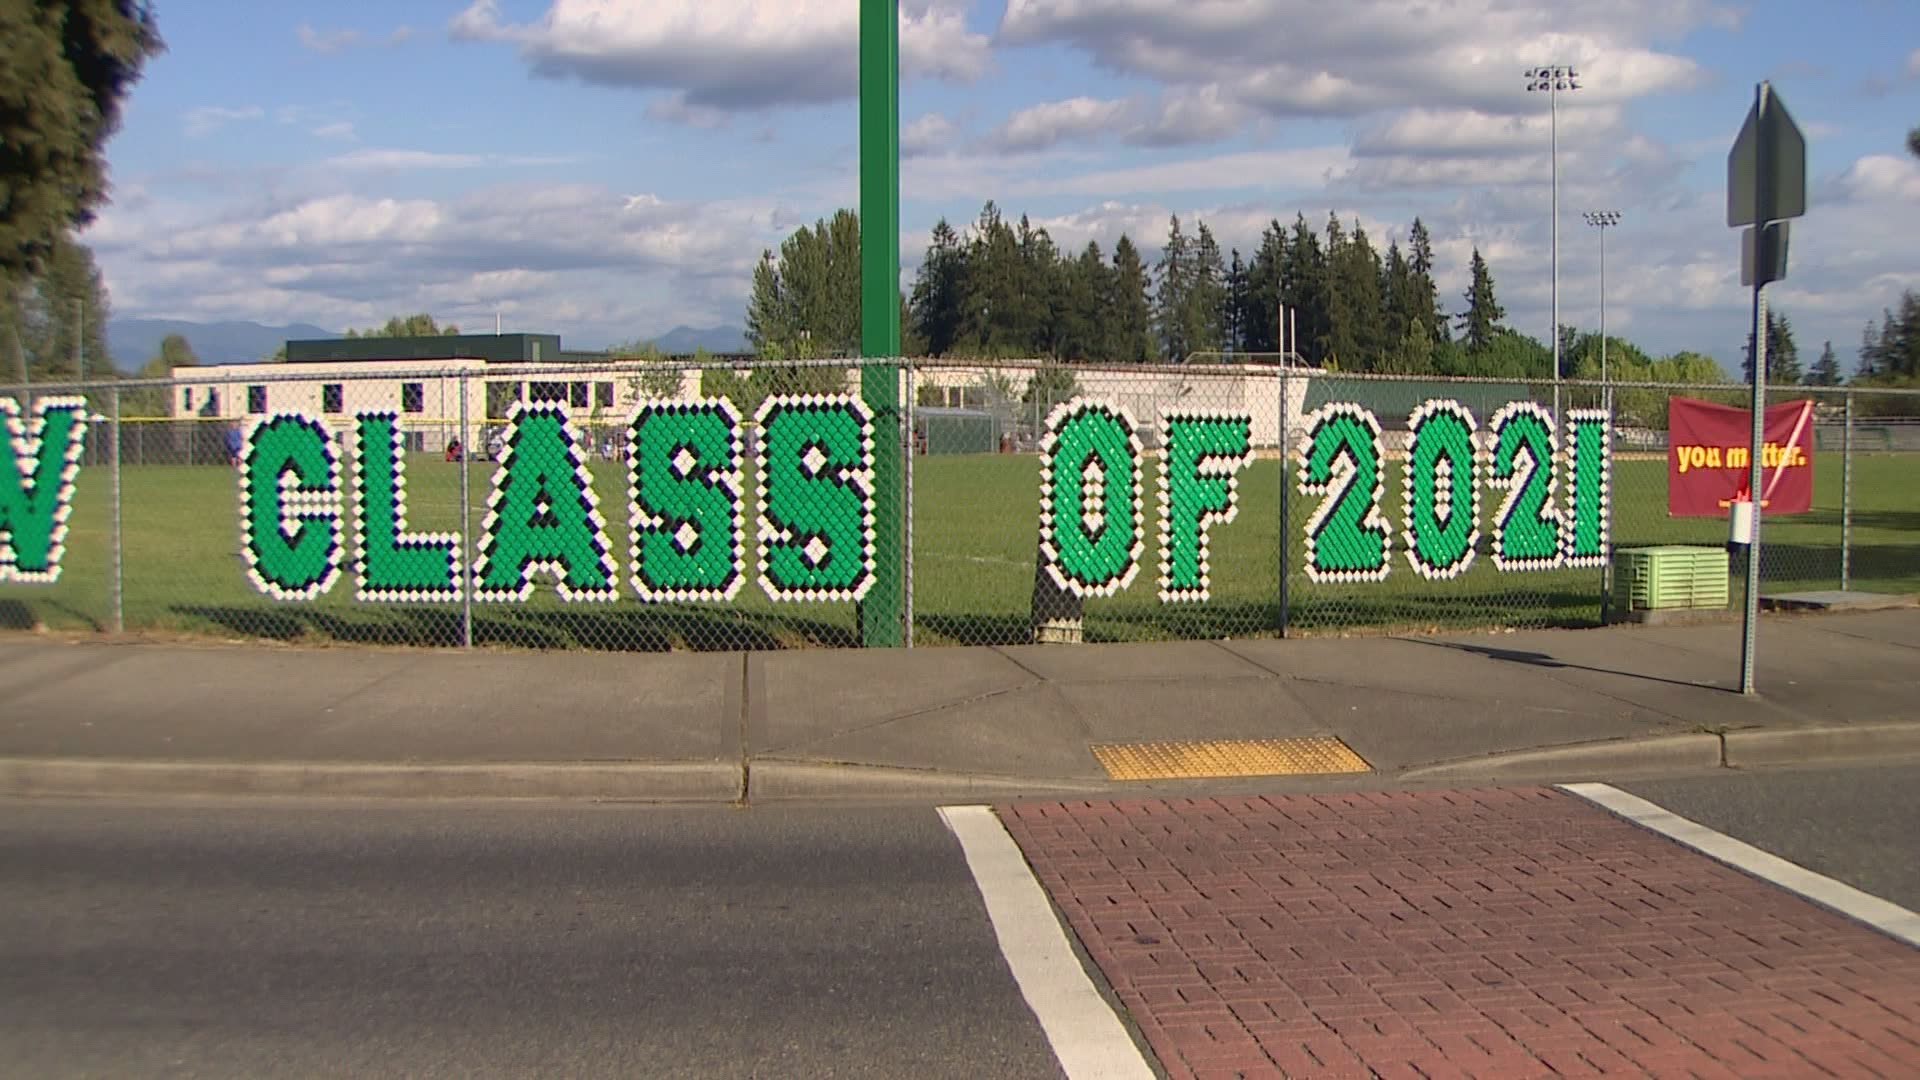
{"x": 882, "y": 612}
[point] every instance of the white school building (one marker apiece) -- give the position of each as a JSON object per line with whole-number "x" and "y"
{"x": 422, "y": 378}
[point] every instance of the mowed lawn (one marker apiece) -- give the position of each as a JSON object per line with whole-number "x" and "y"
{"x": 974, "y": 542}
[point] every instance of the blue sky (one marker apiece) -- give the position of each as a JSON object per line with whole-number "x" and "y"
{"x": 609, "y": 169}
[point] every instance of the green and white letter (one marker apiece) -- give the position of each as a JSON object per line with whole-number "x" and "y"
{"x": 290, "y": 506}
{"x": 1092, "y": 522}
{"x": 394, "y": 567}
{"x": 1526, "y": 529}
{"x": 816, "y": 498}
{"x": 1442, "y": 485}
{"x": 543, "y": 515}
{"x": 684, "y": 481}
{"x": 36, "y": 494}
{"x": 1348, "y": 538}
{"x": 1587, "y": 538}
{"x": 1199, "y": 488}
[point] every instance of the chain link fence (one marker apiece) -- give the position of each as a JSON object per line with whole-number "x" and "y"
{"x": 649, "y": 506}
{"x": 979, "y": 540}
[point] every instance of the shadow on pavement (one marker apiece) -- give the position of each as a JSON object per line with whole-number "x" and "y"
{"x": 1543, "y": 660}
{"x": 650, "y": 631}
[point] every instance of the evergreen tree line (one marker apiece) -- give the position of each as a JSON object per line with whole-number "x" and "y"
{"x": 1890, "y": 351}
{"x": 1004, "y": 289}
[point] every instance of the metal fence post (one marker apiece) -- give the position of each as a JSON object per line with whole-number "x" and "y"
{"x": 1846, "y": 497}
{"x": 906, "y": 513}
{"x": 115, "y": 584}
{"x": 1606, "y": 406}
{"x": 1286, "y": 500}
{"x": 881, "y": 613}
{"x": 466, "y": 522}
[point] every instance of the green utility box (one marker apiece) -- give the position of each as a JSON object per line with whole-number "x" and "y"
{"x": 1657, "y": 578}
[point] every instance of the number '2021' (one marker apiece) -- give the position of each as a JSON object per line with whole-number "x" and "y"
{"x": 1448, "y": 462}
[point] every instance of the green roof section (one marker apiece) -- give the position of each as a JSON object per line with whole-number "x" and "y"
{"x": 493, "y": 348}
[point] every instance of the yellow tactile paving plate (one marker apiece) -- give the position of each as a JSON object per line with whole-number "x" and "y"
{"x": 1197, "y": 759}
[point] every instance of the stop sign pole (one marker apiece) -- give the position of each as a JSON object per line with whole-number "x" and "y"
{"x": 1766, "y": 185}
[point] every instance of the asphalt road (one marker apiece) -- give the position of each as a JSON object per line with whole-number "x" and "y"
{"x": 260, "y": 939}
{"x": 1857, "y": 825}
{"x": 276, "y": 938}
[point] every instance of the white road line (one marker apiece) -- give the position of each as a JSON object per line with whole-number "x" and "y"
{"x": 1825, "y": 891}
{"x": 1087, "y": 1038}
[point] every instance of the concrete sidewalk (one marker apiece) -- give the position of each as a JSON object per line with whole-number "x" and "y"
{"x": 93, "y": 716}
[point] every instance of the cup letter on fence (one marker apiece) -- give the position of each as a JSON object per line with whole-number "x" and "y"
{"x": 36, "y": 490}
{"x": 290, "y": 506}
{"x": 1092, "y": 522}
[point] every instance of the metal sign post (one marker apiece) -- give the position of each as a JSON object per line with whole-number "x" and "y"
{"x": 1766, "y": 184}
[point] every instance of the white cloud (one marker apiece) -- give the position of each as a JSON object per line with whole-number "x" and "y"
{"x": 207, "y": 119}
{"x": 1310, "y": 168}
{"x": 1297, "y": 57}
{"x": 339, "y": 129}
{"x": 930, "y": 134}
{"x": 372, "y": 159}
{"x": 1426, "y": 132}
{"x": 1913, "y": 64}
{"x": 1180, "y": 118}
{"x": 676, "y": 109}
{"x": 727, "y": 54}
{"x": 1189, "y": 116}
{"x": 390, "y": 160}
{"x": 329, "y": 42}
{"x": 600, "y": 263}
{"x": 1883, "y": 177}
{"x": 1038, "y": 127}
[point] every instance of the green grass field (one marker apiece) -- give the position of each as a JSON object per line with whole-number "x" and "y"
{"x": 974, "y": 546}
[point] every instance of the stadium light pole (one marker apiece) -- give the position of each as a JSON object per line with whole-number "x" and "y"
{"x": 1551, "y": 80}
{"x": 1603, "y": 220}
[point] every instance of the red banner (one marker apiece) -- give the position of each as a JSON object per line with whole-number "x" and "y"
{"x": 1709, "y": 452}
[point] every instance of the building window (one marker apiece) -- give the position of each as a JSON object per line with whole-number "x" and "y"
{"x": 500, "y": 399}
{"x": 186, "y": 399}
{"x": 603, "y": 394}
{"x": 332, "y": 400}
{"x": 413, "y": 397}
{"x": 256, "y": 399}
{"x": 546, "y": 391}
{"x": 213, "y": 402}
{"x": 579, "y": 398}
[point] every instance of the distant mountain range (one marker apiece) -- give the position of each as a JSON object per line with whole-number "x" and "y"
{"x": 135, "y": 341}
{"x": 714, "y": 339}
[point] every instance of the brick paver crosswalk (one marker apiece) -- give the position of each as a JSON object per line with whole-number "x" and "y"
{"x": 1509, "y": 932}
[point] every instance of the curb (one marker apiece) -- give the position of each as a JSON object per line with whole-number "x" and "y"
{"x": 1792, "y": 746}
{"x": 770, "y": 780}
{"x": 647, "y": 782}
{"x": 1582, "y": 761}
{"x": 774, "y": 780}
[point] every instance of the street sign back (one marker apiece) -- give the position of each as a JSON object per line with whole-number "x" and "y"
{"x": 1763, "y": 253}
{"x": 1767, "y": 169}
